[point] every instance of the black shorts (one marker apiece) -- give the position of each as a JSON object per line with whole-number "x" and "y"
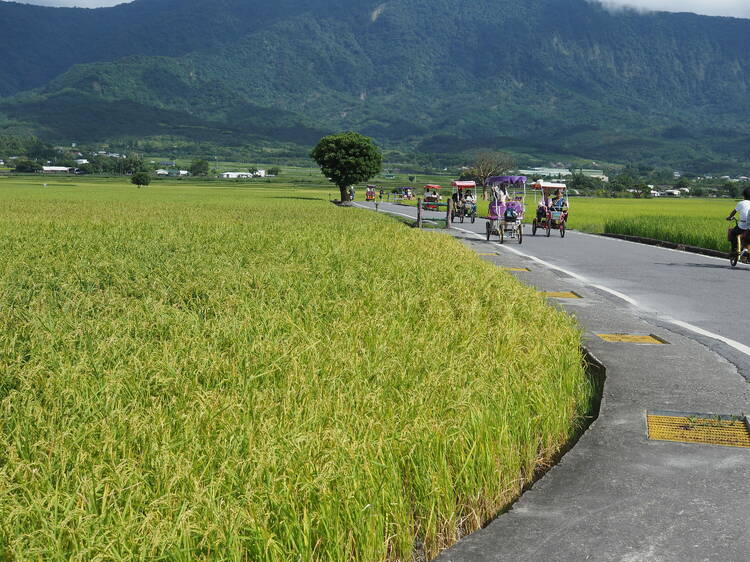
{"x": 734, "y": 233}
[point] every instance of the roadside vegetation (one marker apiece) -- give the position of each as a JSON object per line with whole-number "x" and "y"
{"x": 252, "y": 373}
{"x": 694, "y": 222}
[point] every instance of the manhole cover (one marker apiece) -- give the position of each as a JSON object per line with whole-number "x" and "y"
{"x": 706, "y": 429}
{"x": 561, "y": 295}
{"x": 632, "y": 338}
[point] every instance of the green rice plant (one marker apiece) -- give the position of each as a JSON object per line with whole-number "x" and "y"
{"x": 199, "y": 372}
{"x": 700, "y": 232}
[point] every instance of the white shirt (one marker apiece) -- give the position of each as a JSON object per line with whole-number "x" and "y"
{"x": 743, "y": 210}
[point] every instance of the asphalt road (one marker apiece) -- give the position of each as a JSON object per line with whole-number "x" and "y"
{"x": 690, "y": 292}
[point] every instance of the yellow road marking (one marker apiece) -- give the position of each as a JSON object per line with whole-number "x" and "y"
{"x": 515, "y": 269}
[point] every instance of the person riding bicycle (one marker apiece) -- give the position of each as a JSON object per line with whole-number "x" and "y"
{"x": 743, "y": 223}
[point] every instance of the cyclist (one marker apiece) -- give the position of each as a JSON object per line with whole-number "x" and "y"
{"x": 743, "y": 223}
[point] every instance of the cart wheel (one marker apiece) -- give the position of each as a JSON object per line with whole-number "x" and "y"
{"x": 462, "y": 218}
{"x": 562, "y": 230}
{"x": 549, "y": 228}
{"x": 533, "y": 228}
{"x": 734, "y": 258}
{"x": 489, "y": 231}
{"x": 473, "y": 217}
{"x": 501, "y": 231}
{"x": 520, "y": 234}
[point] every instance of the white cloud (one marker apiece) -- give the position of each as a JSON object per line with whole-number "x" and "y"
{"x": 75, "y": 3}
{"x": 735, "y": 8}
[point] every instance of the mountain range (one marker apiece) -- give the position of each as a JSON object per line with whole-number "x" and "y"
{"x": 540, "y": 78}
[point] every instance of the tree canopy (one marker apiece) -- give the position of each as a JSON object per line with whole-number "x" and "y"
{"x": 490, "y": 163}
{"x": 347, "y": 159}
{"x": 140, "y": 179}
{"x": 199, "y": 168}
{"x": 28, "y": 167}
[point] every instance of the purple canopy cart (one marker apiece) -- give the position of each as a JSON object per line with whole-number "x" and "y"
{"x": 506, "y": 209}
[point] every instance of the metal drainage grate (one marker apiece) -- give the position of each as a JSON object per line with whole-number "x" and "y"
{"x": 632, "y": 338}
{"x": 706, "y": 429}
{"x": 561, "y": 295}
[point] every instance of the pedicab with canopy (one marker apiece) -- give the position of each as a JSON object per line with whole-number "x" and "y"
{"x": 401, "y": 193}
{"x": 552, "y": 208}
{"x": 507, "y": 207}
{"x": 464, "y": 199}
{"x": 370, "y": 192}
{"x": 431, "y": 201}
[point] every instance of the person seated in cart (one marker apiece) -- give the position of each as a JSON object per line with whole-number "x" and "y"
{"x": 458, "y": 199}
{"x": 469, "y": 197}
{"x": 559, "y": 202}
{"x": 542, "y": 208}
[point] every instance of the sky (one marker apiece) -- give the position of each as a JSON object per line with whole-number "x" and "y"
{"x": 736, "y": 8}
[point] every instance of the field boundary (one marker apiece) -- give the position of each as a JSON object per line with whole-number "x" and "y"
{"x": 666, "y": 244}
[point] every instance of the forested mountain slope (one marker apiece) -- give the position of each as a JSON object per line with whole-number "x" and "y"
{"x": 550, "y": 76}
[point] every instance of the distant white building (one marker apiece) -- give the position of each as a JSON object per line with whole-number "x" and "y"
{"x": 162, "y": 172}
{"x": 560, "y": 173}
{"x": 236, "y": 175}
{"x": 82, "y": 161}
{"x": 56, "y": 170}
{"x": 673, "y": 193}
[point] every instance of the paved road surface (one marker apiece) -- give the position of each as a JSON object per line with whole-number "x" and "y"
{"x": 668, "y": 285}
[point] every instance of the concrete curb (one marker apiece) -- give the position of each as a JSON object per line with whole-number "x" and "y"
{"x": 671, "y": 245}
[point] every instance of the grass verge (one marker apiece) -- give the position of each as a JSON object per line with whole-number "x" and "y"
{"x": 188, "y": 373}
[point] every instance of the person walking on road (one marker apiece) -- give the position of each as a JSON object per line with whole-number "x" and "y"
{"x": 742, "y": 211}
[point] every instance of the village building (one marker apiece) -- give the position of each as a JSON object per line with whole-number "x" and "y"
{"x": 56, "y": 170}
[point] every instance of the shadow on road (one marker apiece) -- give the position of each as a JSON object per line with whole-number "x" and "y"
{"x": 706, "y": 266}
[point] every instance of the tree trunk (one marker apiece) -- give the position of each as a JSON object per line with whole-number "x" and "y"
{"x": 344, "y": 194}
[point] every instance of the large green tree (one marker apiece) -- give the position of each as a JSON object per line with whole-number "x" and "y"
{"x": 347, "y": 159}
{"x": 140, "y": 179}
{"x": 28, "y": 167}
{"x": 199, "y": 168}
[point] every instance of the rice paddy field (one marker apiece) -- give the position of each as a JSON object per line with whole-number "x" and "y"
{"x": 694, "y": 222}
{"x": 228, "y": 372}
